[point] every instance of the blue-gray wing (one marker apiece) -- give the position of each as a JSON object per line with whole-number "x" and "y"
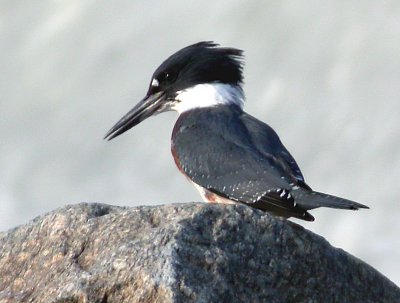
{"x": 236, "y": 156}
{"x": 265, "y": 139}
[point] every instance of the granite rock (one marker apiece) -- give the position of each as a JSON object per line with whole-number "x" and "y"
{"x": 178, "y": 253}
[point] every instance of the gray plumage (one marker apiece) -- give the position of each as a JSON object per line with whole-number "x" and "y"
{"x": 234, "y": 155}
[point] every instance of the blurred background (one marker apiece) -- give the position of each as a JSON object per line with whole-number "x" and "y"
{"x": 324, "y": 74}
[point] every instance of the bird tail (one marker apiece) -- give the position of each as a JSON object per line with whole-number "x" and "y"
{"x": 313, "y": 199}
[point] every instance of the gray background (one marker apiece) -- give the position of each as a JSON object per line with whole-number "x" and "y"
{"x": 324, "y": 74}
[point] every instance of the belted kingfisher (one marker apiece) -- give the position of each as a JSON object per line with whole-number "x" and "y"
{"x": 230, "y": 156}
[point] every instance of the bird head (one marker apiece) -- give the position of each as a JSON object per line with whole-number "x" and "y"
{"x": 200, "y": 75}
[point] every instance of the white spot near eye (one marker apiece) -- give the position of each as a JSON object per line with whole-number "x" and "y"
{"x": 155, "y": 83}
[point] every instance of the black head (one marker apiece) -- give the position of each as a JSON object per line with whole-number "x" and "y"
{"x": 203, "y": 62}
{"x": 200, "y": 63}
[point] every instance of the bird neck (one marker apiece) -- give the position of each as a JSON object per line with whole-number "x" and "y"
{"x": 208, "y": 95}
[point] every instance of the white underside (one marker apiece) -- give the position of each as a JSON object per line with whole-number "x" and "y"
{"x": 207, "y": 95}
{"x": 217, "y": 199}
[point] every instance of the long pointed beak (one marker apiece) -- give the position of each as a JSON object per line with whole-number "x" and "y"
{"x": 147, "y": 107}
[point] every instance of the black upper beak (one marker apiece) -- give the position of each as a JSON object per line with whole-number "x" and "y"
{"x": 144, "y": 109}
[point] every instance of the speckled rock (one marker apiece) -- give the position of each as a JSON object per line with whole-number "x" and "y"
{"x": 178, "y": 253}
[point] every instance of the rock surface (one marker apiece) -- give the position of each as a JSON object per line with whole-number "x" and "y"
{"x": 178, "y": 253}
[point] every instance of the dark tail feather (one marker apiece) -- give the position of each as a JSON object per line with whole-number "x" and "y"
{"x": 314, "y": 199}
{"x": 282, "y": 208}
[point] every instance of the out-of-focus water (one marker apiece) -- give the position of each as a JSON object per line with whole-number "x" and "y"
{"x": 324, "y": 74}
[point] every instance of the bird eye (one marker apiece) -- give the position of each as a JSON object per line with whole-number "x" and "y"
{"x": 167, "y": 77}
